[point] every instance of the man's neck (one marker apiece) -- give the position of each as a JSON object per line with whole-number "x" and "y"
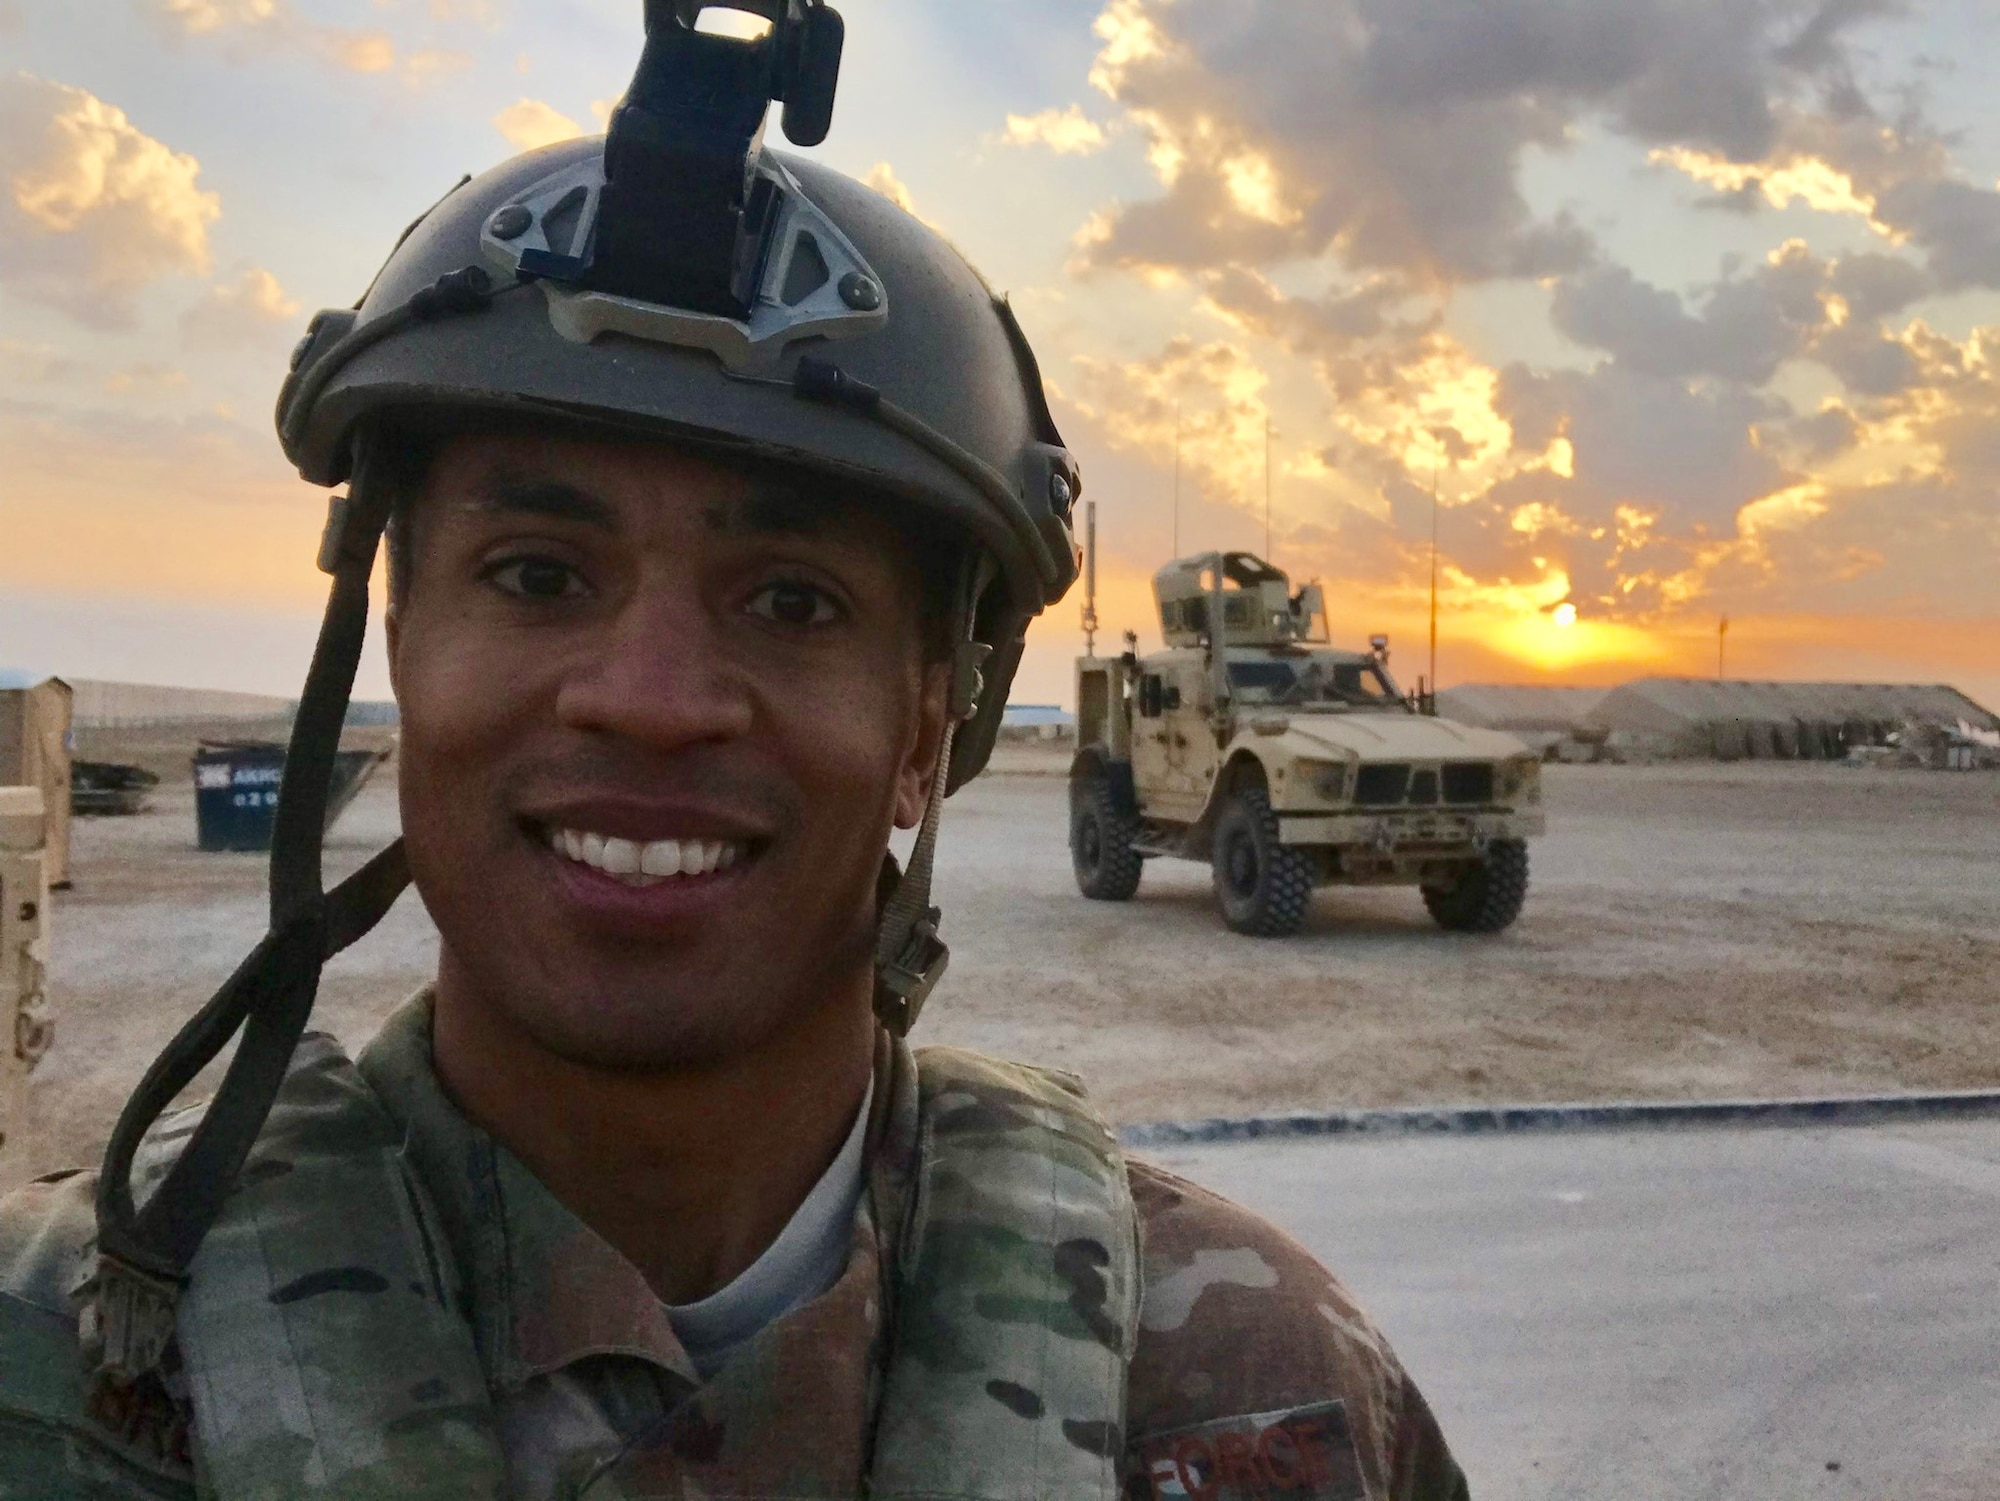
{"x": 689, "y": 1172}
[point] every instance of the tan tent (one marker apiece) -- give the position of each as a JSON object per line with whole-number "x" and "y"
{"x": 1740, "y": 719}
{"x": 35, "y": 752}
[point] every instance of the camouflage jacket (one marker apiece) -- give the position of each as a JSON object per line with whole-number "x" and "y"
{"x": 1250, "y": 1370}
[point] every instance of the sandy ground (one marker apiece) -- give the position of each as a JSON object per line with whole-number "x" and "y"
{"x": 1692, "y": 931}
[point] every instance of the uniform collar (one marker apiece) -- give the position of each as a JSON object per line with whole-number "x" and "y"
{"x": 541, "y": 1288}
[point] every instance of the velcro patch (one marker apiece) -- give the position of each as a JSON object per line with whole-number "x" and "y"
{"x": 1300, "y": 1454}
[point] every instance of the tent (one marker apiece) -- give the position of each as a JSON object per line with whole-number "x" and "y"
{"x": 1737, "y": 720}
{"x": 1544, "y": 708}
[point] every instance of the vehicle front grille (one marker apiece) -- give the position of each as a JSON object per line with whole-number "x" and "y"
{"x": 1383, "y": 784}
{"x": 1397, "y": 784}
{"x": 1468, "y": 782}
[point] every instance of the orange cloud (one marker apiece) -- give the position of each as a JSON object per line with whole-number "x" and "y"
{"x": 94, "y": 208}
{"x": 247, "y": 311}
{"x": 530, "y": 123}
{"x": 1067, "y": 132}
{"x": 278, "y": 23}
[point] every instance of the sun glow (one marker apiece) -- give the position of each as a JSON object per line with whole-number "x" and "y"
{"x": 1564, "y": 615}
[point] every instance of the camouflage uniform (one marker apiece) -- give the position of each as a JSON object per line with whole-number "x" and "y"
{"x": 1250, "y": 1372}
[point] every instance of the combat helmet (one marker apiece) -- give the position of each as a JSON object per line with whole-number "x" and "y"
{"x": 674, "y": 278}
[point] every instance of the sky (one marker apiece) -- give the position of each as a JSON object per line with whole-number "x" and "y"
{"x": 1660, "y": 312}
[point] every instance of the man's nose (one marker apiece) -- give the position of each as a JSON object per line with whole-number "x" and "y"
{"x": 659, "y": 674}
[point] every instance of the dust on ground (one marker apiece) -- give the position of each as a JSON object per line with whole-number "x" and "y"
{"x": 1691, "y": 931}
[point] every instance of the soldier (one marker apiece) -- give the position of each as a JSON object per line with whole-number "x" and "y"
{"x": 718, "y": 495}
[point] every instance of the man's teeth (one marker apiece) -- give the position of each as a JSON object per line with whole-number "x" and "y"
{"x": 650, "y": 863}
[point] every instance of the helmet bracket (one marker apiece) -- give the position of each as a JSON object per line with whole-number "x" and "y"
{"x": 685, "y": 217}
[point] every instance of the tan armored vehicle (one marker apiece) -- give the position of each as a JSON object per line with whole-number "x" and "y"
{"x": 1288, "y": 764}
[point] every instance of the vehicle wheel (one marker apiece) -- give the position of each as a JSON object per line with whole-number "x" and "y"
{"x": 1263, "y": 885}
{"x": 1100, "y": 842}
{"x": 1487, "y": 894}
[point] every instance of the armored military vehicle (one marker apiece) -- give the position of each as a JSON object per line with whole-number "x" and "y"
{"x": 1254, "y": 744}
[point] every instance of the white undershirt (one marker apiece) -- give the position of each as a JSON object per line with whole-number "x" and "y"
{"x": 804, "y": 1261}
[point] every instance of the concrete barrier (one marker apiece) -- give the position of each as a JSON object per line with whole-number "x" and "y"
{"x": 25, "y": 1030}
{"x": 1615, "y": 1115}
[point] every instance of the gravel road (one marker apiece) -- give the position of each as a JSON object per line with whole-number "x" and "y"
{"x": 1691, "y": 931}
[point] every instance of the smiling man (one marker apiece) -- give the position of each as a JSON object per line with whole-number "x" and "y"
{"x": 718, "y": 495}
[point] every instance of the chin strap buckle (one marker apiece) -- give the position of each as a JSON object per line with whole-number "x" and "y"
{"x": 905, "y": 982}
{"x": 968, "y": 678}
{"x": 127, "y": 1319}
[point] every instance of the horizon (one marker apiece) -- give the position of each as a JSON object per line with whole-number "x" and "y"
{"x": 1693, "y": 313}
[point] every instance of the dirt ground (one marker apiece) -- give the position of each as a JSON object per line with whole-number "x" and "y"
{"x": 1692, "y": 931}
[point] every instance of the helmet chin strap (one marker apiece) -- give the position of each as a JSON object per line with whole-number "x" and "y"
{"x": 144, "y": 1250}
{"x": 910, "y": 957}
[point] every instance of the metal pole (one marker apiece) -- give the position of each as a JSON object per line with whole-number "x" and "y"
{"x": 1721, "y": 649}
{"x": 1434, "y": 581}
{"x": 1267, "y": 487}
{"x": 1090, "y": 578}
{"x": 1177, "y": 479}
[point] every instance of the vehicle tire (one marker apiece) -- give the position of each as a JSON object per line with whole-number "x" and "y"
{"x": 1262, "y": 886}
{"x": 1100, "y": 841}
{"x": 1487, "y": 894}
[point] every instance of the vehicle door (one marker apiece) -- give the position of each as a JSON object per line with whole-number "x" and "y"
{"x": 1191, "y": 749}
{"x": 1150, "y": 738}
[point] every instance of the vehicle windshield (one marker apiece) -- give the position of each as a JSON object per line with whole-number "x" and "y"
{"x": 1314, "y": 680}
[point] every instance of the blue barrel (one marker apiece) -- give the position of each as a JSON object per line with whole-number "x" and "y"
{"x": 236, "y": 795}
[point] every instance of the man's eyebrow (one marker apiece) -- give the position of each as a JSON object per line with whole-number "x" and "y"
{"x": 522, "y": 495}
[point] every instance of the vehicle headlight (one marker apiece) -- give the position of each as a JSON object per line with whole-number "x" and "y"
{"x": 1328, "y": 779}
{"x": 1521, "y": 781}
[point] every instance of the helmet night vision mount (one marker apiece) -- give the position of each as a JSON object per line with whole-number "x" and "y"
{"x": 685, "y": 231}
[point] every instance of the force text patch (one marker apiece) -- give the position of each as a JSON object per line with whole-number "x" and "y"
{"x": 1301, "y": 1454}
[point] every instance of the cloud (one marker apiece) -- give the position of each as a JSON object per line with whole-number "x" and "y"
{"x": 279, "y": 24}
{"x": 883, "y": 179}
{"x": 529, "y": 123}
{"x": 94, "y": 209}
{"x": 249, "y": 311}
{"x": 1745, "y": 329}
{"x": 1897, "y": 173}
{"x": 126, "y": 501}
{"x": 148, "y": 381}
{"x": 1067, "y": 132}
{"x": 1393, "y": 136}
{"x": 36, "y": 364}
{"x": 479, "y": 12}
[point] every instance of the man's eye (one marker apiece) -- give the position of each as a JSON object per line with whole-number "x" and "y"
{"x": 535, "y": 578}
{"x": 790, "y": 602}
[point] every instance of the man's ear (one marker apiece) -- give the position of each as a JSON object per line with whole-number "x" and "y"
{"x": 913, "y": 787}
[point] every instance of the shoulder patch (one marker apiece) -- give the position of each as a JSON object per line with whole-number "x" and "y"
{"x": 1298, "y": 1454}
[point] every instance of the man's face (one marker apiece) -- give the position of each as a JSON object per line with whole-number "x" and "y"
{"x": 658, "y": 718}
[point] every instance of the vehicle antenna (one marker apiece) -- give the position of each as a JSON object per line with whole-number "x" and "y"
{"x": 1090, "y": 578}
{"x": 1267, "y": 487}
{"x": 1434, "y": 582}
{"x": 1177, "y": 479}
{"x": 1721, "y": 649}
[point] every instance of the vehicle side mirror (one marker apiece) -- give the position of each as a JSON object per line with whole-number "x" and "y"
{"x": 1151, "y": 696}
{"x": 1171, "y": 698}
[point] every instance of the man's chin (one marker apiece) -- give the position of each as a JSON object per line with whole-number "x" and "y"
{"x": 660, "y": 1032}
